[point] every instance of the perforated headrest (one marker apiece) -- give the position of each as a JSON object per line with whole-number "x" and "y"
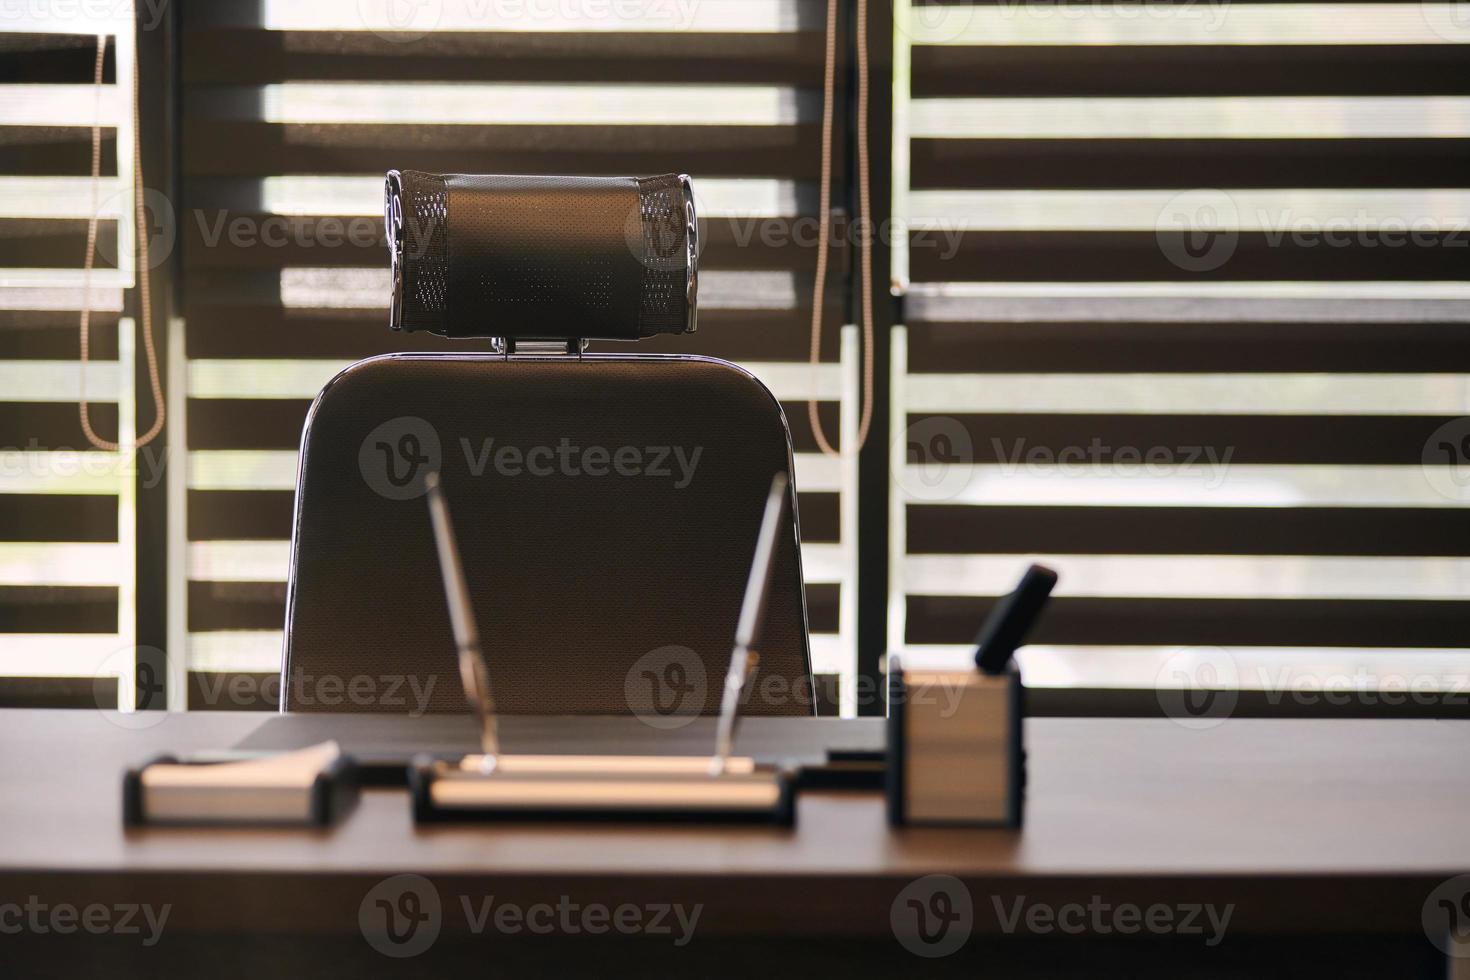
{"x": 531, "y": 257}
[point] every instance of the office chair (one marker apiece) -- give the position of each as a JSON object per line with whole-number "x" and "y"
{"x": 606, "y": 505}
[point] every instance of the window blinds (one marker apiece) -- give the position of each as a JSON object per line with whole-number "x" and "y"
{"x": 292, "y": 112}
{"x": 66, "y": 510}
{"x": 1186, "y": 310}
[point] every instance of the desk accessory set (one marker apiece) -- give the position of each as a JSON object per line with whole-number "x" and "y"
{"x": 495, "y": 785}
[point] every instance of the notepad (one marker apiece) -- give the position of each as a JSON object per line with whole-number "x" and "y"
{"x": 305, "y": 786}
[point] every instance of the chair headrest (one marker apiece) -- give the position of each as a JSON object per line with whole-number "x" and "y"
{"x": 543, "y": 258}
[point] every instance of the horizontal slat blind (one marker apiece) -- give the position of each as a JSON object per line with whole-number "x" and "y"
{"x": 66, "y": 509}
{"x": 1187, "y": 309}
{"x": 292, "y": 112}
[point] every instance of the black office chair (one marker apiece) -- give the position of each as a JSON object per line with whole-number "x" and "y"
{"x": 606, "y": 506}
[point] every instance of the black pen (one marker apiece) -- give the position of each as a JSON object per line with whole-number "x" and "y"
{"x": 1011, "y": 619}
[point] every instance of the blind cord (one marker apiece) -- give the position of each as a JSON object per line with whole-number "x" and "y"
{"x": 864, "y": 226}
{"x": 140, "y": 215}
{"x": 865, "y": 221}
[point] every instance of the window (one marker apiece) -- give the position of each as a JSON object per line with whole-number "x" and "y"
{"x": 1181, "y": 303}
{"x": 293, "y": 112}
{"x": 1186, "y": 312}
{"x": 67, "y": 532}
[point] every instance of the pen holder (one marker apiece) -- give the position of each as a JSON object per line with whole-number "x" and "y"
{"x": 680, "y": 789}
{"x": 955, "y": 751}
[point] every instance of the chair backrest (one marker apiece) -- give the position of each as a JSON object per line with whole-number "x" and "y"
{"x": 606, "y": 509}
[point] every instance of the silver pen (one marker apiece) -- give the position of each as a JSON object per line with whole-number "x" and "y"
{"x": 752, "y": 620}
{"x": 472, "y": 671}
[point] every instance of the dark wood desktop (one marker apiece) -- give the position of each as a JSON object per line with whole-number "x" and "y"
{"x": 1325, "y": 837}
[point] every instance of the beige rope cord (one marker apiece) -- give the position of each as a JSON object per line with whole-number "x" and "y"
{"x": 864, "y": 223}
{"x": 140, "y": 215}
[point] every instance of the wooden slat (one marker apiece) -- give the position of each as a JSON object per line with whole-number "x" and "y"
{"x": 52, "y": 58}
{"x": 85, "y": 693}
{"x": 1347, "y": 531}
{"x": 226, "y": 424}
{"x": 1195, "y": 442}
{"x": 1137, "y": 256}
{"x": 235, "y": 57}
{"x": 1141, "y": 70}
{"x": 1207, "y": 346}
{"x": 57, "y": 517}
{"x": 1218, "y": 622}
{"x": 40, "y": 426}
{"x": 261, "y": 606}
{"x": 51, "y": 335}
{"x": 32, "y": 243}
{"x": 246, "y": 148}
{"x": 57, "y": 609}
{"x": 267, "y": 515}
{"x": 236, "y": 605}
{"x": 1185, "y": 163}
{"x": 38, "y": 151}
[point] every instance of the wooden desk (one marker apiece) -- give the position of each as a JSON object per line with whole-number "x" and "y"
{"x": 1308, "y": 828}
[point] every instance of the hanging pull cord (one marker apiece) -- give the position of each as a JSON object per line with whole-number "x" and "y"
{"x": 865, "y": 231}
{"x": 145, "y": 284}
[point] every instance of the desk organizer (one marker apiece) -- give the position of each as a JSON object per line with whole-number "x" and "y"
{"x": 955, "y": 747}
